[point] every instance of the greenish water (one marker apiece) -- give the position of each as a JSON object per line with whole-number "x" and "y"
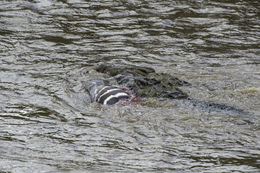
{"x": 47, "y": 47}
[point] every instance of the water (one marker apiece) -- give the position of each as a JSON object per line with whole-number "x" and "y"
{"x": 47, "y": 47}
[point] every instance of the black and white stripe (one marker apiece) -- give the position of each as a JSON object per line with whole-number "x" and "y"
{"x": 109, "y": 95}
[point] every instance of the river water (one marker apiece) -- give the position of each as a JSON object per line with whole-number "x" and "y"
{"x": 48, "y": 46}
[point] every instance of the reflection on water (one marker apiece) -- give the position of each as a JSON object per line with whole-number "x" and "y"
{"x": 48, "y": 47}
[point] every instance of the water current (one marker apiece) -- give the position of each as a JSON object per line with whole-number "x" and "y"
{"x": 47, "y": 47}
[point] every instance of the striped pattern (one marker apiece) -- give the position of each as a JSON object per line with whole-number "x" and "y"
{"x": 109, "y": 95}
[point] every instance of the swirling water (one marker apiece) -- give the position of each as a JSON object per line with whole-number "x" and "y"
{"x": 48, "y": 46}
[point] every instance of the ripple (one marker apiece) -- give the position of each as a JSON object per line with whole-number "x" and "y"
{"x": 49, "y": 47}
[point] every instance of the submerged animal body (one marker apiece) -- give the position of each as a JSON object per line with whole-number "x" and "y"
{"x": 145, "y": 82}
{"x": 107, "y": 94}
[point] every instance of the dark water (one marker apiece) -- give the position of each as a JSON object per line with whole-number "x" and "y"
{"x": 48, "y": 46}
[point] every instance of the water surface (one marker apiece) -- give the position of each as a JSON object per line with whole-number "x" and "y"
{"x": 48, "y": 47}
